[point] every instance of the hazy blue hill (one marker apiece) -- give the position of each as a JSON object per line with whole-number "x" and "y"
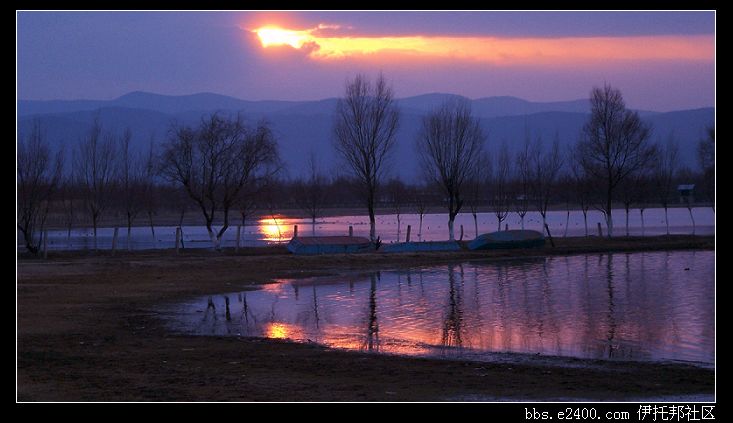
{"x": 302, "y": 127}
{"x": 34, "y": 107}
{"x": 156, "y": 102}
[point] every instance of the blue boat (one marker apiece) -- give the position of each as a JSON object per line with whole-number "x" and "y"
{"x": 329, "y": 245}
{"x": 517, "y": 238}
{"x": 406, "y": 247}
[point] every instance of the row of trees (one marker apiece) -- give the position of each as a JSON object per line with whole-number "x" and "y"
{"x": 224, "y": 166}
{"x": 612, "y": 160}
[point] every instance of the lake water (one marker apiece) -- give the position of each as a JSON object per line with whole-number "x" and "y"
{"x": 435, "y": 228}
{"x": 654, "y": 306}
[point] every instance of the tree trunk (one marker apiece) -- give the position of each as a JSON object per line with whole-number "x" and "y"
{"x": 372, "y": 223}
{"x": 399, "y": 228}
{"x": 689, "y": 209}
{"x": 627, "y": 221}
{"x": 585, "y": 221}
{"x": 567, "y": 222}
{"x": 641, "y": 212}
{"x": 544, "y": 220}
{"x": 609, "y": 224}
{"x": 419, "y": 233}
{"x": 475, "y": 224}
{"x": 129, "y": 229}
{"x": 94, "y": 226}
{"x": 666, "y": 221}
{"x": 451, "y": 234}
{"x": 313, "y": 225}
{"x": 68, "y": 236}
{"x": 212, "y": 235}
{"x": 152, "y": 227}
{"x": 521, "y": 218}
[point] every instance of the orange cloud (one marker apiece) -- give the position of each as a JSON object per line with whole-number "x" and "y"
{"x": 495, "y": 50}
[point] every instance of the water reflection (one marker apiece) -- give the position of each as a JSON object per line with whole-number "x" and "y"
{"x": 638, "y": 306}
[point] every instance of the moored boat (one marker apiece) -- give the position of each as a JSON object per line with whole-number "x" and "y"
{"x": 329, "y": 245}
{"x": 517, "y": 238}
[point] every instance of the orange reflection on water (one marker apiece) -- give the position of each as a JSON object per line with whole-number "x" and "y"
{"x": 279, "y": 330}
{"x": 275, "y": 229}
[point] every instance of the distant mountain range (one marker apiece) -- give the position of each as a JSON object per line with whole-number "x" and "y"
{"x": 305, "y": 126}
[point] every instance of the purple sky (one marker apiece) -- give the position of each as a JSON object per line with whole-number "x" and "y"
{"x": 660, "y": 60}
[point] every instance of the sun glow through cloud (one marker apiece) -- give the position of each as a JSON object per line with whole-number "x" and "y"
{"x": 274, "y": 36}
{"x": 496, "y": 50}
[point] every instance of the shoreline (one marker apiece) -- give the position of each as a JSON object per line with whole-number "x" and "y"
{"x": 88, "y": 330}
{"x": 194, "y": 218}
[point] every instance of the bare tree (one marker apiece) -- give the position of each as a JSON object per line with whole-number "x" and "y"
{"x": 214, "y": 161}
{"x": 149, "y": 194}
{"x": 310, "y": 195}
{"x": 565, "y": 192}
{"x": 544, "y": 170}
{"x": 474, "y": 197}
{"x": 366, "y": 123}
{"x": 94, "y": 169}
{"x": 664, "y": 173}
{"x": 248, "y": 201}
{"x": 130, "y": 183}
{"x": 66, "y": 195}
{"x": 521, "y": 183}
{"x": 38, "y": 178}
{"x": 583, "y": 189}
{"x": 706, "y": 158}
{"x": 613, "y": 144}
{"x": 450, "y": 143}
{"x": 633, "y": 190}
{"x": 397, "y": 197}
{"x": 420, "y": 200}
{"x": 499, "y": 180}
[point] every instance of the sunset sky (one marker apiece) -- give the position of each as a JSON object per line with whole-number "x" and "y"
{"x": 660, "y": 60}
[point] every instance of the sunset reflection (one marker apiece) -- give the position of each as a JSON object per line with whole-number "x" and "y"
{"x": 274, "y": 229}
{"x": 279, "y": 330}
{"x": 601, "y": 307}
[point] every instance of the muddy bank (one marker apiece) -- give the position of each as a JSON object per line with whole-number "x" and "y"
{"x": 88, "y": 329}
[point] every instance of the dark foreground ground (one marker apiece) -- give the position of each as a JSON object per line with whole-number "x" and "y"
{"x": 87, "y": 331}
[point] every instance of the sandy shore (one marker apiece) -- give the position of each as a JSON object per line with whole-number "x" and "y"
{"x": 88, "y": 331}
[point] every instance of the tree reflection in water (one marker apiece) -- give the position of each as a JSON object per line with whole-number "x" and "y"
{"x": 453, "y": 319}
{"x": 371, "y": 341}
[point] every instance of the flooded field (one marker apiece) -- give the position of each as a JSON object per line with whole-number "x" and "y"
{"x": 651, "y": 306}
{"x": 278, "y": 229}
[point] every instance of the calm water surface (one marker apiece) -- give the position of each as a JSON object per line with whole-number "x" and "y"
{"x": 279, "y": 229}
{"x": 639, "y": 306}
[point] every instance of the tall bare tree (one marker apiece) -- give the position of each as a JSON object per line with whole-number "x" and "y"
{"x": 583, "y": 189}
{"x": 150, "y": 190}
{"x": 633, "y": 190}
{"x": 665, "y": 170}
{"x": 706, "y": 158}
{"x": 66, "y": 195}
{"x": 544, "y": 170}
{"x": 450, "y": 143}
{"x": 420, "y": 200}
{"x": 474, "y": 189}
{"x": 521, "y": 183}
{"x": 214, "y": 161}
{"x": 365, "y": 127}
{"x": 94, "y": 170}
{"x": 311, "y": 195}
{"x": 39, "y": 173}
{"x": 499, "y": 181}
{"x": 613, "y": 144}
{"x": 397, "y": 197}
{"x": 131, "y": 180}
